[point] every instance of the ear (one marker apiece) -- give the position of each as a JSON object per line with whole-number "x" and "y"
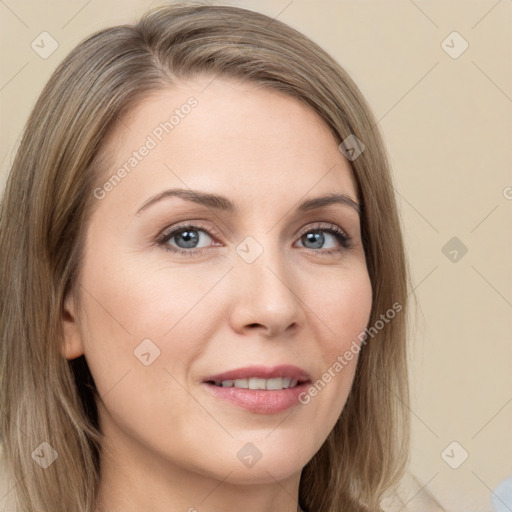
{"x": 72, "y": 345}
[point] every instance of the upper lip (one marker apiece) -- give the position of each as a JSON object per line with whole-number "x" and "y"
{"x": 262, "y": 372}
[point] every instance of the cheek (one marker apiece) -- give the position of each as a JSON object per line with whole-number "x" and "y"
{"x": 138, "y": 315}
{"x": 345, "y": 306}
{"x": 141, "y": 337}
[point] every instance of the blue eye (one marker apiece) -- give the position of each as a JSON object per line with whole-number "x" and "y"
{"x": 189, "y": 238}
{"x": 186, "y": 239}
{"x": 317, "y": 238}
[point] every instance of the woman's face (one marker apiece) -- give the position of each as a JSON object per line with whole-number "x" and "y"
{"x": 263, "y": 283}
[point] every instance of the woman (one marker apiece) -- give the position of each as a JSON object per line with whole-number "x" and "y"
{"x": 204, "y": 288}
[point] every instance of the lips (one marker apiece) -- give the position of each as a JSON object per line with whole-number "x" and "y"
{"x": 243, "y": 387}
{"x": 261, "y": 372}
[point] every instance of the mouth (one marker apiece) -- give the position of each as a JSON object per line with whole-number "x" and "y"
{"x": 260, "y": 389}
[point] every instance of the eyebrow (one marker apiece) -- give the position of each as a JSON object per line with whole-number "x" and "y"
{"x": 223, "y": 203}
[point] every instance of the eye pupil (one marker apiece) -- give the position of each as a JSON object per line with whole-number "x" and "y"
{"x": 316, "y": 237}
{"x": 189, "y": 236}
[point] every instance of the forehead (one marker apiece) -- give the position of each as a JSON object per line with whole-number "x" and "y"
{"x": 226, "y": 137}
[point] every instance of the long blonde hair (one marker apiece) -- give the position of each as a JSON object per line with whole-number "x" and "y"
{"x": 46, "y": 206}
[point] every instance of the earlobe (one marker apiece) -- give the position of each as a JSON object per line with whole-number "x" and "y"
{"x": 72, "y": 346}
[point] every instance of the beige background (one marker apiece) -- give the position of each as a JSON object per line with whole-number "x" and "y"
{"x": 447, "y": 123}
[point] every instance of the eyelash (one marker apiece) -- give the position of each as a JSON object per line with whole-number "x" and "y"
{"x": 339, "y": 234}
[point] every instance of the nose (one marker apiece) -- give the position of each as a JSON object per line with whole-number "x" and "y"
{"x": 266, "y": 295}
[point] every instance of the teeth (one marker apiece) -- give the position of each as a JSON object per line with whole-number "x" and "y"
{"x": 257, "y": 383}
{"x": 276, "y": 383}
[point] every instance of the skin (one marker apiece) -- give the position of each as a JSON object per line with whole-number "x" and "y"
{"x": 170, "y": 445}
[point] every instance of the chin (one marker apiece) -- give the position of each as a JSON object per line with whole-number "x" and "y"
{"x": 261, "y": 461}
{"x": 262, "y": 472}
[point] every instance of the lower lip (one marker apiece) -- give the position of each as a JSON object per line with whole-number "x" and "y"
{"x": 259, "y": 400}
